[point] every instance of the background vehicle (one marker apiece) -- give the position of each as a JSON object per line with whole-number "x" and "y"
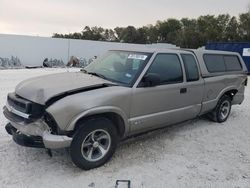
{"x": 121, "y": 94}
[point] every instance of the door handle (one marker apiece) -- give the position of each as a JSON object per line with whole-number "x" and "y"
{"x": 183, "y": 90}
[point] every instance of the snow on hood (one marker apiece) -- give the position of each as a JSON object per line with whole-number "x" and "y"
{"x": 40, "y": 89}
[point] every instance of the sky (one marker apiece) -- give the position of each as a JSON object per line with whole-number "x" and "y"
{"x": 45, "y": 17}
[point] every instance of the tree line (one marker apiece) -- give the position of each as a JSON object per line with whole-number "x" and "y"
{"x": 186, "y": 33}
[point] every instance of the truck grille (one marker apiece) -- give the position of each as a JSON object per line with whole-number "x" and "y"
{"x": 25, "y": 106}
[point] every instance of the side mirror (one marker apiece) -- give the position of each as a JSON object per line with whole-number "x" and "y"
{"x": 150, "y": 80}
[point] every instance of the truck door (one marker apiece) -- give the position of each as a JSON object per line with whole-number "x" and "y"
{"x": 194, "y": 83}
{"x": 173, "y": 99}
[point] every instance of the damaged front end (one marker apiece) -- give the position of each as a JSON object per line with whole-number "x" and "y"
{"x": 31, "y": 126}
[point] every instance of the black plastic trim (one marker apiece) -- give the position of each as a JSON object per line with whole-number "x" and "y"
{"x": 24, "y": 140}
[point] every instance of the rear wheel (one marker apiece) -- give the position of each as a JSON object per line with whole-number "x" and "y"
{"x": 222, "y": 109}
{"x": 94, "y": 143}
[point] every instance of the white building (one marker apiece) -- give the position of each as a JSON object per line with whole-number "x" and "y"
{"x": 31, "y": 51}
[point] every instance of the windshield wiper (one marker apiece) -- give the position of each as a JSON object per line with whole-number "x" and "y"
{"x": 93, "y": 73}
{"x": 97, "y": 74}
{"x": 101, "y": 76}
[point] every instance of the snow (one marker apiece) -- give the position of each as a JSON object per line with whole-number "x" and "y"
{"x": 197, "y": 153}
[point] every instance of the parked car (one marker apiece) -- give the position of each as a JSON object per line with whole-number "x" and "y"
{"x": 121, "y": 94}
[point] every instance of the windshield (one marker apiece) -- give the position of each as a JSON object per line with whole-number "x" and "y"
{"x": 119, "y": 66}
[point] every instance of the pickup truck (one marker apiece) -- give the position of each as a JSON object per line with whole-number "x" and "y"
{"x": 123, "y": 93}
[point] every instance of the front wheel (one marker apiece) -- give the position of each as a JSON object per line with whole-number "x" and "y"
{"x": 94, "y": 143}
{"x": 222, "y": 109}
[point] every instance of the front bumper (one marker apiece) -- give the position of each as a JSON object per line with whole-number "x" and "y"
{"x": 24, "y": 140}
{"x": 33, "y": 133}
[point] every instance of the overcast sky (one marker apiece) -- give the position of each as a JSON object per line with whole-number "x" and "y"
{"x": 45, "y": 17}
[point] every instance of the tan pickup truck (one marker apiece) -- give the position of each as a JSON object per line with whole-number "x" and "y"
{"x": 121, "y": 94}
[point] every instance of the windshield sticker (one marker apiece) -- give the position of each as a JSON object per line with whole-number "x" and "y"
{"x": 137, "y": 56}
{"x": 128, "y": 75}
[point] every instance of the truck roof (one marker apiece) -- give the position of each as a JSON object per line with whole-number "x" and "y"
{"x": 174, "y": 50}
{"x": 196, "y": 52}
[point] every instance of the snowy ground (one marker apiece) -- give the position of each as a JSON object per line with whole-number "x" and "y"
{"x": 198, "y": 153}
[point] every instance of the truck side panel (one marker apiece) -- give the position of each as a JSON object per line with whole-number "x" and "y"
{"x": 218, "y": 83}
{"x": 216, "y": 86}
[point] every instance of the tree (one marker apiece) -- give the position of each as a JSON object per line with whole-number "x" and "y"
{"x": 244, "y": 26}
{"x": 187, "y": 33}
{"x": 76, "y": 35}
{"x": 209, "y": 29}
{"x": 142, "y": 35}
{"x": 87, "y": 33}
{"x": 168, "y": 30}
{"x": 56, "y": 35}
{"x": 129, "y": 35}
{"x": 152, "y": 34}
{"x": 109, "y": 35}
{"x": 118, "y": 33}
{"x": 221, "y": 27}
{"x": 232, "y": 30}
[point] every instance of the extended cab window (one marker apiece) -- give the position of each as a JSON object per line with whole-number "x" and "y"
{"x": 191, "y": 68}
{"x": 232, "y": 63}
{"x": 222, "y": 63}
{"x": 214, "y": 63}
{"x": 168, "y": 68}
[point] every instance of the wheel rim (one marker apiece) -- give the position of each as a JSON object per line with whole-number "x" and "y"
{"x": 225, "y": 110}
{"x": 96, "y": 145}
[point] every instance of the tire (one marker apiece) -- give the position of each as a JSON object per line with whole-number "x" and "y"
{"x": 222, "y": 109}
{"x": 94, "y": 143}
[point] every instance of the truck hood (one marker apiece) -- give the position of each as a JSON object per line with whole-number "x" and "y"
{"x": 43, "y": 88}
